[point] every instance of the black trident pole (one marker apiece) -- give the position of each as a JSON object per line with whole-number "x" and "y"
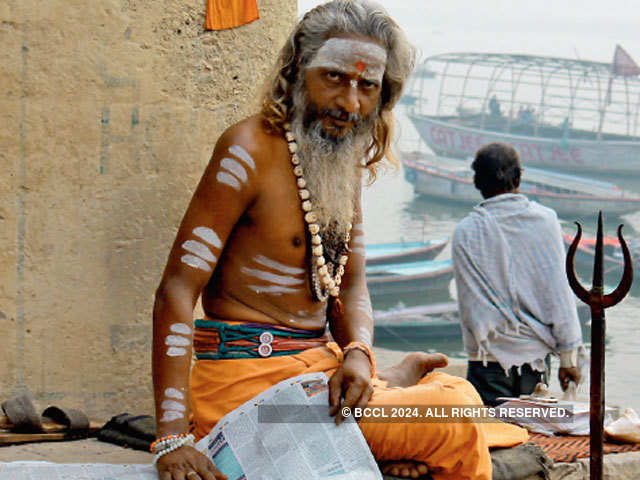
{"x": 598, "y": 301}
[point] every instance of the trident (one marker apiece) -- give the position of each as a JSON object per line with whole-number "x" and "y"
{"x": 598, "y": 301}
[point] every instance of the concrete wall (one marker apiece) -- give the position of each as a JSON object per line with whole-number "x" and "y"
{"x": 110, "y": 111}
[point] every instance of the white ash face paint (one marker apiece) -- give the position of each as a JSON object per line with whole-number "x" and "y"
{"x": 267, "y": 262}
{"x": 176, "y": 341}
{"x": 182, "y": 328}
{"x": 271, "y": 277}
{"x": 351, "y": 56}
{"x": 174, "y": 393}
{"x": 243, "y": 155}
{"x": 272, "y": 289}
{"x": 176, "y": 351}
{"x": 208, "y": 235}
{"x": 234, "y": 168}
{"x": 228, "y": 179}
{"x": 195, "y": 262}
{"x": 200, "y": 250}
{"x": 171, "y": 415}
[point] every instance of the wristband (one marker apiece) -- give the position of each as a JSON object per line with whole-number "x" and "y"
{"x": 363, "y": 347}
{"x": 171, "y": 444}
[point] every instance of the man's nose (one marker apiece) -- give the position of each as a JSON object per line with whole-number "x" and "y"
{"x": 349, "y": 100}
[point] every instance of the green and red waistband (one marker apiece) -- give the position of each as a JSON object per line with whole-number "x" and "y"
{"x": 216, "y": 340}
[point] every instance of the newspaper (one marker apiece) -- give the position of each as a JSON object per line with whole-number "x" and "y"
{"x": 305, "y": 445}
{"x": 75, "y": 471}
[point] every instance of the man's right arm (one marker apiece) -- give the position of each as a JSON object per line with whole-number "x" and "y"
{"x": 227, "y": 188}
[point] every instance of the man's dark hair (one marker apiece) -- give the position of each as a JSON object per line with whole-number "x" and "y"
{"x": 497, "y": 169}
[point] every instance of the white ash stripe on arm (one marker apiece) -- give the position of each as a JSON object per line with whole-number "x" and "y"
{"x": 200, "y": 250}
{"x": 177, "y": 341}
{"x": 171, "y": 415}
{"x": 228, "y": 179}
{"x": 365, "y": 335}
{"x": 182, "y": 328}
{"x": 243, "y": 155}
{"x": 235, "y": 168}
{"x": 271, "y": 277}
{"x": 272, "y": 289}
{"x": 208, "y": 235}
{"x": 195, "y": 262}
{"x": 364, "y": 305}
{"x": 173, "y": 405}
{"x": 267, "y": 262}
{"x": 174, "y": 393}
{"x": 176, "y": 351}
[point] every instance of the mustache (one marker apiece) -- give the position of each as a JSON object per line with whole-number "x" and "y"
{"x": 341, "y": 115}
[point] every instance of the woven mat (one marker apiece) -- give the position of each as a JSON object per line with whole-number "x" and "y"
{"x": 568, "y": 449}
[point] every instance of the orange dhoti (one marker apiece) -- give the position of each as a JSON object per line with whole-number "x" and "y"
{"x": 457, "y": 450}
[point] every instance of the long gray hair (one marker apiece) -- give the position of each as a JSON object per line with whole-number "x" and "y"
{"x": 343, "y": 17}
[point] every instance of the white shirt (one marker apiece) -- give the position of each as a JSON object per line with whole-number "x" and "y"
{"x": 515, "y": 302}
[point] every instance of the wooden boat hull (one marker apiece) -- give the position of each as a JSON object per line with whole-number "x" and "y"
{"x": 424, "y": 252}
{"x": 420, "y": 282}
{"x": 450, "y": 187}
{"x": 612, "y": 156}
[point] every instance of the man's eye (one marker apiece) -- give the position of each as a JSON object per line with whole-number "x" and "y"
{"x": 367, "y": 85}
{"x": 334, "y": 76}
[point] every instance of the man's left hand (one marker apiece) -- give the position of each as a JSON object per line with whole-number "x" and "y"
{"x": 352, "y": 381}
{"x": 566, "y": 375}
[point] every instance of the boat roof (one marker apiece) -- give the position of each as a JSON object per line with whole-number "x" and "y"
{"x": 538, "y": 61}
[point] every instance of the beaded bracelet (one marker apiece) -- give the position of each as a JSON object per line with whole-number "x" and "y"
{"x": 160, "y": 443}
{"x": 363, "y": 347}
{"x": 175, "y": 443}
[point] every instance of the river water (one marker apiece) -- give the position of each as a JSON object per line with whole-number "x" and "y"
{"x": 394, "y": 213}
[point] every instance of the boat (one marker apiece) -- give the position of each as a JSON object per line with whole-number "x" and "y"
{"x": 569, "y": 195}
{"x": 395, "y": 278}
{"x": 558, "y": 113}
{"x": 585, "y": 253}
{"x": 381, "y": 253}
{"x": 439, "y": 321}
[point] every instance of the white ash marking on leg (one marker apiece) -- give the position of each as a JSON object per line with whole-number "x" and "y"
{"x": 272, "y": 289}
{"x": 271, "y": 277}
{"x": 195, "y": 262}
{"x": 234, "y": 168}
{"x": 208, "y": 235}
{"x": 171, "y": 415}
{"x": 182, "y": 328}
{"x": 228, "y": 179}
{"x": 176, "y": 351}
{"x": 243, "y": 155}
{"x": 200, "y": 250}
{"x": 176, "y": 341}
{"x": 174, "y": 393}
{"x": 267, "y": 262}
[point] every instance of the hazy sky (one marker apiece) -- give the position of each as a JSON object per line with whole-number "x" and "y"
{"x": 588, "y": 29}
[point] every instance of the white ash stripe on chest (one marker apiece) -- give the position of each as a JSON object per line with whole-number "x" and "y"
{"x": 274, "y": 265}
{"x": 285, "y": 280}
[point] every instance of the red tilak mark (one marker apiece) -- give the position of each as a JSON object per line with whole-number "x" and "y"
{"x": 360, "y": 66}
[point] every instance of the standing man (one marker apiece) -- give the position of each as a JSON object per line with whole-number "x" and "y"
{"x": 273, "y": 243}
{"x": 515, "y": 304}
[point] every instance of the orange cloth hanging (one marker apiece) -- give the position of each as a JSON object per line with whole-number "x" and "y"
{"x": 223, "y": 14}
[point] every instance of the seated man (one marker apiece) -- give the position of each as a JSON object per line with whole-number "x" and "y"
{"x": 273, "y": 242}
{"x": 515, "y": 303}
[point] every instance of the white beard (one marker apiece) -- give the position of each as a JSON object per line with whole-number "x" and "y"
{"x": 332, "y": 167}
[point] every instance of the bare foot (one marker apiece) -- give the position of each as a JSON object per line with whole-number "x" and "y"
{"x": 405, "y": 469}
{"x": 412, "y": 368}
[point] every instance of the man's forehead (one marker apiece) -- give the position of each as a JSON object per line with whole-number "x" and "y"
{"x": 356, "y": 55}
